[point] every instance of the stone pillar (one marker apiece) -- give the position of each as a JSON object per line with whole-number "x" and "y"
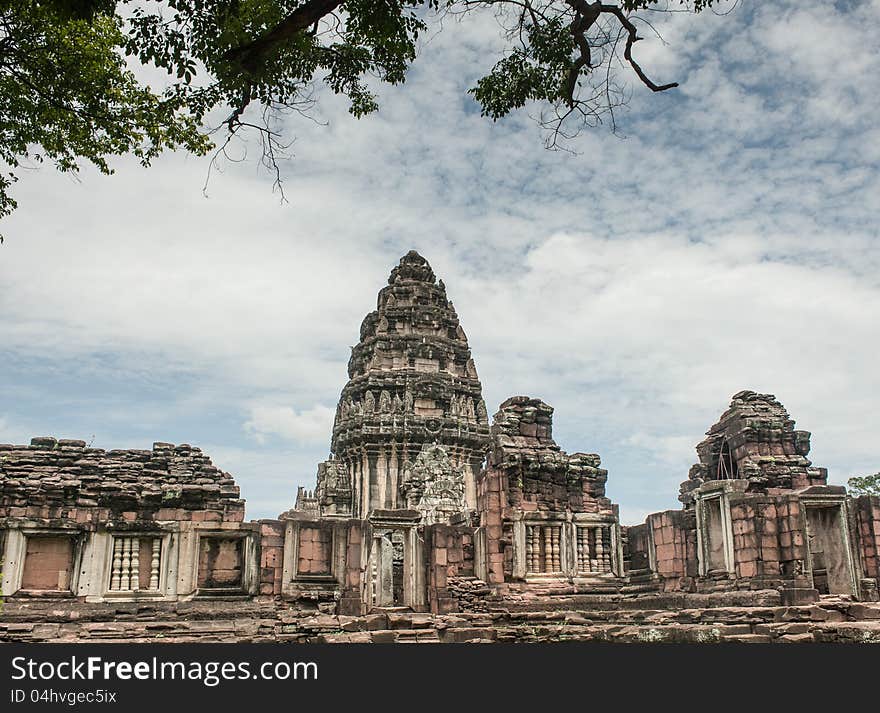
{"x": 867, "y": 509}
{"x": 272, "y": 539}
{"x": 491, "y": 521}
{"x": 437, "y": 541}
{"x": 351, "y": 601}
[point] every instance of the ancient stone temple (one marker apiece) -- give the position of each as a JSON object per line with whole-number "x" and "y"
{"x": 757, "y": 515}
{"x": 411, "y": 424}
{"x": 427, "y": 524}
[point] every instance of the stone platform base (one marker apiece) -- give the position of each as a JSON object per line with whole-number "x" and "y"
{"x": 829, "y": 620}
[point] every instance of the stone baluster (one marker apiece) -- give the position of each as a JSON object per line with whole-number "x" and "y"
{"x": 607, "y": 539}
{"x": 125, "y": 583}
{"x": 116, "y": 572}
{"x": 594, "y": 563}
{"x": 154, "y": 563}
{"x": 600, "y": 549}
{"x": 539, "y": 562}
{"x": 135, "y": 574}
{"x": 557, "y": 550}
{"x": 529, "y": 549}
{"x": 548, "y": 549}
{"x": 583, "y": 564}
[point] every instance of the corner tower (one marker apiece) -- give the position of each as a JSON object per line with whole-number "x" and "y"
{"x": 411, "y": 426}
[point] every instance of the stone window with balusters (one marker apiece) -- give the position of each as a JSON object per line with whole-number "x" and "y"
{"x": 544, "y": 549}
{"x": 593, "y": 549}
{"x": 565, "y": 548}
{"x": 135, "y": 565}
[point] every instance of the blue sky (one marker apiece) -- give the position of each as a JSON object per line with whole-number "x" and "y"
{"x": 727, "y": 241}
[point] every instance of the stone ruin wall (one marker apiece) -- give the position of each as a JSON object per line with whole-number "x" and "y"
{"x": 452, "y": 582}
{"x": 768, "y": 542}
{"x": 666, "y": 548}
{"x": 63, "y": 489}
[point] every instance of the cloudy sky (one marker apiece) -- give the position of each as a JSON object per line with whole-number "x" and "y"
{"x": 728, "y": 240}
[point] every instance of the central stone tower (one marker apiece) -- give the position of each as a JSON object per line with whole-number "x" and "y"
{"x": 411, "y": 426}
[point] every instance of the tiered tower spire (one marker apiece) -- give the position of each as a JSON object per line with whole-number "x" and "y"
{"x": 412, "y": 384}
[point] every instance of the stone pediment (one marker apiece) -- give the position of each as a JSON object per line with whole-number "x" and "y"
{"x": 434, "y": 485}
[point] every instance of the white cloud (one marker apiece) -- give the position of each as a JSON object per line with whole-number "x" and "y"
{"x": 674, "y": 450}
{"x": 308, "y": 427}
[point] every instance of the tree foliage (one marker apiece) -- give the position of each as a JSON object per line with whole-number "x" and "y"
{"x": 864, "y": 485}
{"x": 67, "y": 93}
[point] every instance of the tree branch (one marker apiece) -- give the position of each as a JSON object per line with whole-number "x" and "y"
{"x": 585, "y": 17}
{"x": 632, "y": 37}
{"x": 251, "y": 55}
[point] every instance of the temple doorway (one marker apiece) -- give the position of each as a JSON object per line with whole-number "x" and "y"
{"x": 715, "y": 544}
{"x": 388, "y": 571}
{"x": 829, "y": 556}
